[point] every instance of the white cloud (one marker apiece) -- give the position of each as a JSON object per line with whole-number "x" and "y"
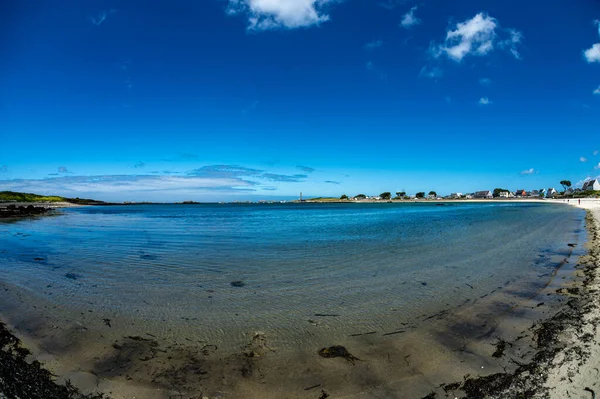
{"x": 484, "y": 101}
{"x": 597, "y": 166}
{"x": 596, "y": 152}
{"x": 374, "y": 44}
{"x": 597, "y": 91}
{"x": 529, "y": 172}
{"x": 409, "y": 20}
{"x": 476, "y": 37}
{"x": 274, "y": 14}
{"x": 485, "y": 81}
{"x": 583, "y": 159}
{"x": 592, "y": 54}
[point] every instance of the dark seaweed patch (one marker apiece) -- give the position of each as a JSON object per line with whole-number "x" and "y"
{"x": 338, "y": 351}
{"x": 21, "y": 379}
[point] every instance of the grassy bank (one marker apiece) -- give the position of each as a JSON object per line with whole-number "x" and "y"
{"x": 12, "y": 196}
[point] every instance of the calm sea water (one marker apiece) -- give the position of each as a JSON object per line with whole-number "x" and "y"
{"x": 361, "y": 266}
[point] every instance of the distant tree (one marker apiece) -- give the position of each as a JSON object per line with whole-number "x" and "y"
{"x": 400, "y": 194}
{"x": 386, "y": 196}
{"x": 420, "y": 194}
{"x": 432, "y": 194}
{"x": 344, "y": 197}
{"x": 360, "y": 196}
{"x": 566, "y": 184}
{"x": 497, "y": 192}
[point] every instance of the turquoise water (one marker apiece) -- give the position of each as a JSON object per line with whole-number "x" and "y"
{"x": 361, "y": 266}
{"x": 235, "y": 301}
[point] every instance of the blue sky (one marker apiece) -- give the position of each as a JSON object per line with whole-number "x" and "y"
{"x": 247, "y": 99}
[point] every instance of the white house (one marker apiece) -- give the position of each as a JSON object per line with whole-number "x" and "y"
{"x": 551, "y": 193}
{"x": 592, "y": 185}
{"x": 455, "y": 195}
{"x": 503, "y": 194}
{"x": 483, "y": 194}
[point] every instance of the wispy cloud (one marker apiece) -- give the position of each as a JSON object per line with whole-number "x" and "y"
{"x": 391, "y": 4}
{"x": 372, "y": 68}
{"x": 597, "y": 91}
{"x": 512, "y": 42}
{"x": 409, "y": 19}
{"x": 99, "y": 18}
{"x": 597, "y": 166}
{"x": 595, "y": 152}
{"x": 529, "y": 171}
{"x": 485, "y": 101}
{"x": 583, "y": 159}
{"x": 63, "y": 169}
{"x": 117, "y": 185}
{"x": 283, "y": 178}
{"x": 208, "y": 180}
{"x": 333, "y": 182}
{"x": 485, "y": 81}
{"x": 224, "y": 171}
{"x": 236, "y": 172}
{"x": 278, "y": 14}
{"x": 477, "y": 37}
{"x": 593, "y": 53}
{"x": 306, "y": 169}
{"x": 431, "y": 72}
{"x": 374, "y": 44}
{"x": 139, "y": 165}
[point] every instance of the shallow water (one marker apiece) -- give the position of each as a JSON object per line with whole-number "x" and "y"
{"x": 305, "y": 275}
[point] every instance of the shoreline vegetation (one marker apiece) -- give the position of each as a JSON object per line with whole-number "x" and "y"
{"x": 557, "y": 357}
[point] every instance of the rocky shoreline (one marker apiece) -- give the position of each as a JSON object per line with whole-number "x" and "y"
{"x": 14, "y": 211}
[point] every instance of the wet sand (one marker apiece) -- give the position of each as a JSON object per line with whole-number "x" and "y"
{"x": 493, "y": 336}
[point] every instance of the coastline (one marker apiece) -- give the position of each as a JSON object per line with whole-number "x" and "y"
{"x": 559, "y": 356}
{"x": 568, "y": 346}
{"x": 576, "y": 370}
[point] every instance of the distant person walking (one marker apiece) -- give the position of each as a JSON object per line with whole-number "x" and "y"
{"x": 579, "y": 202}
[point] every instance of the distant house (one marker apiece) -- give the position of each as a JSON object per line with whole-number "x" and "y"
{"x": 551, "y": 193}
{"x": 521, "y": 193}
{"x": 455, "y": 195}
{"x": 483, "y": 194}
{"x": 504, "y": 194}
{"x": 592, "y": 185}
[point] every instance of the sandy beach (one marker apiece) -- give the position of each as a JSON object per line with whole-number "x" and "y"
{"x": 575, "y": 371}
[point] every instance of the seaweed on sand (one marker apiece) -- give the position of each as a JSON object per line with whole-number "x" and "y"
{"x": 22, "y": 379}
{"x": 338, "y": 351}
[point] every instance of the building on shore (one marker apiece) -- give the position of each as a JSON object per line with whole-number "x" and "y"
{"x": 483, "y": 194}
{"x": 591, "y": 185}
